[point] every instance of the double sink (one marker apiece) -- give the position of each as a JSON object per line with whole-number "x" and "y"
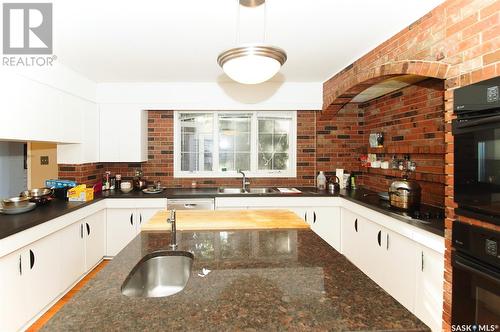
{"x": 264, "y": 190}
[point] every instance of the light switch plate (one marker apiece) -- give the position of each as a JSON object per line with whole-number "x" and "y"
{"x": 44, "y": 160}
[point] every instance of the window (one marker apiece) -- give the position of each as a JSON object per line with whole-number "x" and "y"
{"x": 217, "y": 144}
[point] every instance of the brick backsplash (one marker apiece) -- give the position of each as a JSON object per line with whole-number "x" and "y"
{"x": 415, "y": 116}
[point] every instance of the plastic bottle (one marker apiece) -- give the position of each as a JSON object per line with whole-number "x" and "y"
{"x": 321, "y": 181}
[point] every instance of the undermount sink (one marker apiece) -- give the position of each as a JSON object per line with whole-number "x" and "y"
{"x": 247, "y": 191}
{"x": 231, "y": 191}
{"x": 159, "y": 274}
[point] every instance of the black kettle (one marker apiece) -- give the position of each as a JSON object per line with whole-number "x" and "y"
{"x": 334, "y": 187}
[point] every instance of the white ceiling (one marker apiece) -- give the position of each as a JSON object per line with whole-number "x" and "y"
{"x": 179, "y": 40}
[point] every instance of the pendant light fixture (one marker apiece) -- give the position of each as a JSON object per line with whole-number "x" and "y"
{"x": 252, "y": 63}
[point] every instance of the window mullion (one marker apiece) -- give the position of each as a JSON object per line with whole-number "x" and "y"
{"x": 254, "y": 139}
{"x": 215, "y": 134}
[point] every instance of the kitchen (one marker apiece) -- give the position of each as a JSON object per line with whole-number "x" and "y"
{"x": 416, "y": 97}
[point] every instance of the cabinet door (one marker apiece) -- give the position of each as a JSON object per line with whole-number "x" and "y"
{"x": 351, "y": 239}
{"x": 95, "y": 239}
{"x": 142, "y": 217}
{"x": 72, "y": 253}
{"x": 299, "y": 211}
{"x": 13, "y": 314}
{"x": 396, "y": 268}
{"x": 43, "y": 275}
{"x": 429, "y": 290}
{"x": 120, "y": 229}
{"x": 326, "y": 223}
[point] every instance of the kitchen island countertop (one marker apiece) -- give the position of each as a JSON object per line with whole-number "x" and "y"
{"x": 260, "y": 280}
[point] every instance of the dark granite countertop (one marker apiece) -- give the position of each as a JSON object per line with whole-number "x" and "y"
{"x": 268, "y": 280}
{"x": 12, "y": 224}
{"x": 360, "y": 196}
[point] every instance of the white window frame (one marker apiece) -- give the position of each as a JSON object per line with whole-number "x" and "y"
{"x": 254, "y": 173}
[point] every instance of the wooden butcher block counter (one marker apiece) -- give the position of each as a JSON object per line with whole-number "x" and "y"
{"x": 189, "y": 220}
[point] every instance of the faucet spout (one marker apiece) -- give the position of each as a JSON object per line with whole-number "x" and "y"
{"x": 173, "y": 234}
{"x": 244, "y": 181}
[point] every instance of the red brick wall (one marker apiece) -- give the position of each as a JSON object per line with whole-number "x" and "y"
{"x": 458, "y": 41}
{"x": 160, "y": 158}
{"x": 412, "y": 120}
{"x": 81, "y": 173}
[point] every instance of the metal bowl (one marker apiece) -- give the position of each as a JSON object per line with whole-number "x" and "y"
{"x": 37, "y": 193}
{"x": 15, "y": 202}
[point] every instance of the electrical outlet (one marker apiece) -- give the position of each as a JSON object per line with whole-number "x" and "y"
{"x": 44, "y": 160}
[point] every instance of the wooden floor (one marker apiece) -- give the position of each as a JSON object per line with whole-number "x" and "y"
{"x": 59, "y": 304}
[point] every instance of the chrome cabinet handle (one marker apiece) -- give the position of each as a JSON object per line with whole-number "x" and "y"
{"x": 190, "y": 205}
{"x": 32, "y": 259}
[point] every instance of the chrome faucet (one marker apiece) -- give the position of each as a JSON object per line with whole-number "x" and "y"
{"x": 244, "y": 181}
{"x": 173, "y": 233}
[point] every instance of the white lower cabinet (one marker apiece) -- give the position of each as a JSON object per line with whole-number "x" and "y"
{"x": 429, "y": 289}
{"x": 72, "y": 254}
{"x": 122, "y": 225}
{"x": 408, "y": 271}
{"x": 30, "y": 279}
{"x": 325, "y": 221}
{"x": 95, "y": 238}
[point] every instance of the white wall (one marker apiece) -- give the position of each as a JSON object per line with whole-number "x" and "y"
{"x": 13, "y": 176}
{"x": 214, "y": 96}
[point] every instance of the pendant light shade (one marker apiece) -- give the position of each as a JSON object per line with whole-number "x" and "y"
{"x": 252, "y": 64}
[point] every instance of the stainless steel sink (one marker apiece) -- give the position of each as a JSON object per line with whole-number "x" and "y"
{"x": 159, "y": 274}
{"x": 261, "y": 190}
{"x": 231, "y": 191}
{"x": 247, "y": 191}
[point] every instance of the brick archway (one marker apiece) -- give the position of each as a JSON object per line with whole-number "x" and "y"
{"x": 339, "y": 91}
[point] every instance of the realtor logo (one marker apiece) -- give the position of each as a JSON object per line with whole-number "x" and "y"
{"x": 27, "y": 28}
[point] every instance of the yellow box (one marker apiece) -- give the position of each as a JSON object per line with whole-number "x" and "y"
{"x": 80, "y": 194}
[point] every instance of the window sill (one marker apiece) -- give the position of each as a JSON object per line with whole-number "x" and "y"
{"x": 232, "y": 174}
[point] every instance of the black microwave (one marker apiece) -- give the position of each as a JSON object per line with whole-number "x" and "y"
{"x": 476, "y": 132}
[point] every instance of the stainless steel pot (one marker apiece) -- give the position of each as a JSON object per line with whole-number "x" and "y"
{"x": 405, "y": 194}
{"x": 37, "y": 193}
{"x": 15, "y": 202}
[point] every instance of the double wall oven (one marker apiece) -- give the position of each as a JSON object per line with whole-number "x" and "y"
{"x": 476, "y": 254}
{"x": 477, "y": 150}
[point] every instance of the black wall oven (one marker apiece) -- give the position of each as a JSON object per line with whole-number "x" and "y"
{"x": 476, "y": 278}
{"x": 476, "y": 133}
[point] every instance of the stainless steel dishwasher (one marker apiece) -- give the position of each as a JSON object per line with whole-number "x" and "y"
{"x": 191, "y": 204}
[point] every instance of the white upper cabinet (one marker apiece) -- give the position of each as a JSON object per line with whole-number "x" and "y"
{"x": 123, "y": 133}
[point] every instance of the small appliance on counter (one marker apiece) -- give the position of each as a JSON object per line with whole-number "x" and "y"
{"x": 139, "y": 182}
{"x": 334, "y": 185}
{"x": 405, "y": 194}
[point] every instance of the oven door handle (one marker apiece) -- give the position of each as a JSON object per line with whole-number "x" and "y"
{"x": 478, "y": 122}
{"x": 477, "y": 269}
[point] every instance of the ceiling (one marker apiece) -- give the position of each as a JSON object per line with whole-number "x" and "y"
{"x": 178, "y": 41}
